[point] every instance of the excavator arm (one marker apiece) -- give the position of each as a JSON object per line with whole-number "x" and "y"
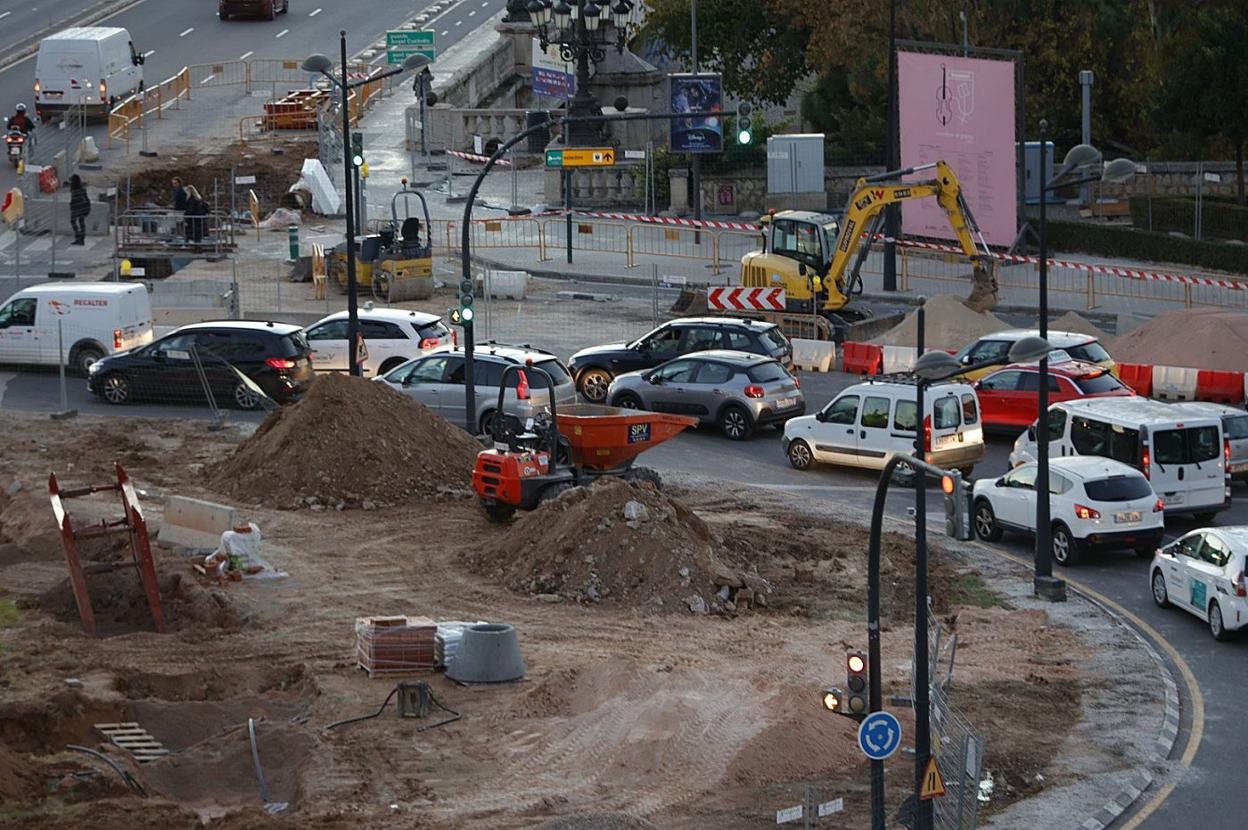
{"x": 864, "y": 211}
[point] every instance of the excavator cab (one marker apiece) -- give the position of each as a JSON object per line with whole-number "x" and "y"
{"x": 797, "y": 251}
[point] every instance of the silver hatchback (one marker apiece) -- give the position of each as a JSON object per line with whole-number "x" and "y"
{"x": 436, "y": 379}
{"x": 736, "y": 391}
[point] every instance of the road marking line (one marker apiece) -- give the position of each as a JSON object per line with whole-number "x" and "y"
{"x": 6, "y": 14}
{"x": 445, "y": 32}
{"x": 486, "y": 3}
{"x": 206, "y": 80}
{"x": 187, "y": 32}
{"x": 1197, "y": 731}
{"x": 149, "y": 53}
{"x": 471, "y": 13}
{"x": 459, "y": 23}
{"x": 314, "y": 13}
{"x": 282, "y": 33}
{"x": 245, "y": 56}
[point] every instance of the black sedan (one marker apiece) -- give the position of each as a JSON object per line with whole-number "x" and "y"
{"x": 594, "y": 368}
{"x": 241, "y": 362}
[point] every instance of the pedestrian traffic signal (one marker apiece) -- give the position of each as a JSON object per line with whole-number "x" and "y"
{"x": 745, "y": 125}
{"x": 957, "y": 507}
{"x": 856, "y": 703}
{"x": 357, "y": 149}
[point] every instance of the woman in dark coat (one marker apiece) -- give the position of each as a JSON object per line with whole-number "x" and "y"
{"x": 196, "y": 215}
{"x": 79, "y": 208}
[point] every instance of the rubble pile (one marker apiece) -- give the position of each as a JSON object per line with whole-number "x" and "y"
{"x": 948, "y": 324}
{"x": 1198, "y": 338}
{"x": 620, "y": 541}
{"x": 348, "y": 443}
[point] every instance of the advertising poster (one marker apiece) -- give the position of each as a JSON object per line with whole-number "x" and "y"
{"x": 961, "y": 110}
{"x": 551, "y": 76}
{"x": 697, "y": 93}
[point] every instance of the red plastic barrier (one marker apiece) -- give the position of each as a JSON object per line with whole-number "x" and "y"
{"x": 862, "y": 358}
{"x": 1220, "y": 387}
{"x": 1139, "y": 376}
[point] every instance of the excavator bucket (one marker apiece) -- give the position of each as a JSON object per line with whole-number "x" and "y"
{"x": 984, "y": 288}
{"x": 690, "y": 301}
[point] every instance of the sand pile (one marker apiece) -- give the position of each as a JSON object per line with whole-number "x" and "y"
{"x": 352, "y": 442}
{"x": 619, "y": 541}
{"x": 949, "y": 325}
{"x": 1205, "y": 338}
{"x": 1073, "y": 321}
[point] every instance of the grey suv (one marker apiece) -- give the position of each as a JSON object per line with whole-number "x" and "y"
{"x": 436, "y": 379}
{"x": 735, "y": 390}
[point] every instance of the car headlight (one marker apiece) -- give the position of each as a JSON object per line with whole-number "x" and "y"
{"x": 93, "y": 368}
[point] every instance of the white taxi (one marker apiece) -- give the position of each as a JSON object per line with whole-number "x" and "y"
{"x": 1203, "y": 572}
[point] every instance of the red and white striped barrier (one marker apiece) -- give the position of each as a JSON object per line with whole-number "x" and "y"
{"x": 746, "y": 299}
{"x": 474, "y": 157}
{"x": 712, "y": 224}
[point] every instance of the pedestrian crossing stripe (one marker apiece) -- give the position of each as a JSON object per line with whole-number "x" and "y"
{"x": 933, "y": 784}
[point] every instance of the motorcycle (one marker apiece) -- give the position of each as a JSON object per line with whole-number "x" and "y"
{"x": 15, "y": 144}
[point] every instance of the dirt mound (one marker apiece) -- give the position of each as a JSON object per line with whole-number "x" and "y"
{"x": 949, "y": 324}
{"x": 27, "y": 523}
{"x": 597, "y": 821}
{"x": 616, "y": 540}
{"x": 1073, "y": 321}
{"x": 799, "y": 743}
{"x": 1204, "y": 338}
{"x": 120, "y": 604}
{"x": 18, "y": 779}
{"x": 349, "y": 441}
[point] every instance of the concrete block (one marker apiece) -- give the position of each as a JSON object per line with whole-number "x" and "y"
{"x": 899, "y": 359}
{"x": 194, "y": 523}
{"x": 814, "y": 355}
{"x": 487, "y": 653}
{"x": 1174, "y": 383}
{"x": 507, "y": 285}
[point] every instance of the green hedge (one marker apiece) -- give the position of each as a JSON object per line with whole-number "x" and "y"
{"x": 1220, "y": 220}
{"x": 1127, "y": 243}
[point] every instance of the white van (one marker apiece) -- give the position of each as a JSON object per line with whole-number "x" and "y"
{"x": 869, "y": 423}
{"x": 1182, "y": 451}
{"x": 96, "y": 319}
{"x": 95, "y": 66}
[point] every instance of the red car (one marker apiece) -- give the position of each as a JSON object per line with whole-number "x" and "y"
{"x": 1009, "y": 397}
{"x": 252, "y": 8}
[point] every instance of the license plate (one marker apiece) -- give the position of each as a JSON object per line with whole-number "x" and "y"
{"x": 785, "y": 403}
{"x": 1177, "y": 498}
{"x": 1239, "y": 468}
{"x": 1127, "y": 516}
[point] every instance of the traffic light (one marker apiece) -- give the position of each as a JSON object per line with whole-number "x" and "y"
{"x": 466, "y": 289}
{"x": 856, "y": 703}
{"x": 357, "y": 149}
{"x": 833, "y": 698}
{"x": 957, "y": 507}
{"x": 745, "y": 125}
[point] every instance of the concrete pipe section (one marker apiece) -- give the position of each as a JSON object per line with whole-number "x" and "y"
{"x": 488, "y": 653}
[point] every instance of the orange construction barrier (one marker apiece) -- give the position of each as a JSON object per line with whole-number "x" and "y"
{"x": 1220, "y": 387}
{"x": 1139, "y": 376}
{"x": 862, "y": 358}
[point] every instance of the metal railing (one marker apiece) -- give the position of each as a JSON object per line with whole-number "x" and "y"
{"x": 159, "y": 232}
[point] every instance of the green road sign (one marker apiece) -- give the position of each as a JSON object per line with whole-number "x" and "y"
{"x": 554, "y": 158}
{"x": 404, "y": 42}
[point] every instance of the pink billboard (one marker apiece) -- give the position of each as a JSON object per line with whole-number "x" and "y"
{"x": 961, "y": 111}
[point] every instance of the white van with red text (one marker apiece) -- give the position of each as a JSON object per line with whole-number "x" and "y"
{"x": 82, "y": 322}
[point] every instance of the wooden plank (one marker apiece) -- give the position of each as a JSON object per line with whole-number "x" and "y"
{"x": 103, "y": 726}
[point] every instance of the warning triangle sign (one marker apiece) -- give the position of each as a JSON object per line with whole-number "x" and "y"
{"x": 933, "y": 784}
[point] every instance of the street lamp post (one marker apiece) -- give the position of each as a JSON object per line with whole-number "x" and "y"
{"x": 929, "y": 368}
{"x": 575, "y": 26}
{"x": 892, "y": 213}
{"x": 322, "y": 65}
{"x": 1045, "y": 585}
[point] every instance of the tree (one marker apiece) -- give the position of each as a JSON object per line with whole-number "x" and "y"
{"x": 1204, "y": 87}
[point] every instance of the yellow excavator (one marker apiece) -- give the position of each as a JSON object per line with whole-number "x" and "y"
{"x": 808, "y": 254}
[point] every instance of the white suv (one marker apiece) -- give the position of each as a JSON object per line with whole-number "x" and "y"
{"x": 391, "y": 336}
{"x": 1203, "y": 572}
{"x": 1093, "y": 503}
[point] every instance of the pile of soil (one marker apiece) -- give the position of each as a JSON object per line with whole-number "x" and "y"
{"x": 949, "y": 324}
{"x": 19, "y": 780}
{"x": 619, "y": 540}
{"x": 120, "y": 604}
{"x": 597, "y": 821}
{"x": 352, "y": 442}
{"x": 799, "y": 744}
{"x": 1073, "y": 321}
{"x": 1198, "y": 338}
{"x": 27, "y": 523}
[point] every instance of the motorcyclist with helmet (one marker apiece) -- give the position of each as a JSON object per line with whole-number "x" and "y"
{"x": 19, "y": 121}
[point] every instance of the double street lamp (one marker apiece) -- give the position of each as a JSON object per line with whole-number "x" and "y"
{"x": 576, "y": 27}
{"x": 1080, "y": 157}
{"x": 322, "y": 65}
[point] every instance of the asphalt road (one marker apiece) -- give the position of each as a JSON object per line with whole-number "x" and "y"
{"x": 1220, "y": 669}
{"x": 175, "y": 34}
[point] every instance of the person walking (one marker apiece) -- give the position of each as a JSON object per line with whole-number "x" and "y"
{"x": 79, "y": 209}
{"x": 196, "y": 211}
{"x": 179, "y": 194}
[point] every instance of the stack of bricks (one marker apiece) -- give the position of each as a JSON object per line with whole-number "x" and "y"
{"x": 395, "y": 645}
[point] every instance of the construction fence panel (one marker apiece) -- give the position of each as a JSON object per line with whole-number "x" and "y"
{"x": 959, "y": 752}
{"x": 219, "y": 73}
{"x": 278, "y": 71}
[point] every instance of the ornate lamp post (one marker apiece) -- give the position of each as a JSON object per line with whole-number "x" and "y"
{"x": 576, "y": 27}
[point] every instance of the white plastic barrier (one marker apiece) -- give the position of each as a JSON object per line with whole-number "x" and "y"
{"x": 814, "y": 355}
{"x": 1174, "y": 383}
{"x": 899, "y": 359}
{"x": 193, "y": 523}
{"x": 506, "y": 285}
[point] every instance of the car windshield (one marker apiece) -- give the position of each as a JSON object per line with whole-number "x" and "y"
{"x": 1095, "y": 384}
{"x": 293, "y": 344}
{"x": 775, "y": 340}
{"x": 553, "y": 368}
{"x": 1186, "y": 446}
{"x": 767, "y": 372}
{"x": 1092, "y": 352}
{"x": 1118, "y": 488}
{"x": 1236, "y": 427}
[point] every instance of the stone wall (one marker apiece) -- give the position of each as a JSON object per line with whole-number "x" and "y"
{"x": 745, "y": 191}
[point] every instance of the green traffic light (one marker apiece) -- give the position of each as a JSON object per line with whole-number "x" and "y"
{"x": 744, "y": 136}
{"x": 465, "y": 314}
{"x": 357, "y": 160}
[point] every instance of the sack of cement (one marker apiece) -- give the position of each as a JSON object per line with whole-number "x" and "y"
{"x": 281, "y": 219}
{"x": 447, "y": 640}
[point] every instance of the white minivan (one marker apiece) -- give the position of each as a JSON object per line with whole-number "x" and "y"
{"x": 90, "y": 320}
{"x": 92, "y": 66}
{"x": 869, "y": 423}
{"x": 1182, "y": 451}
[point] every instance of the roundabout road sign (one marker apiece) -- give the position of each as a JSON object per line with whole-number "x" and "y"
{"x": 879, "y": 735}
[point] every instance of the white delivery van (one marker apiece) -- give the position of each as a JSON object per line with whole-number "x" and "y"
{"x": 94, "y": 66}
{"x": 869, "y": 423}
{"x": 95, "y": 319}
{"x": 1181, "y": 451}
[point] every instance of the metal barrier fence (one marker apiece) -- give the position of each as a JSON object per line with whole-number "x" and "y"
{"x": 959, "y": 755}
{"x": 152, "y": 101}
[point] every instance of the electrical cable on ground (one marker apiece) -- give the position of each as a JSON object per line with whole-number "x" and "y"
{"x": 126, "y": 777}
{"x": 454, "y": 715}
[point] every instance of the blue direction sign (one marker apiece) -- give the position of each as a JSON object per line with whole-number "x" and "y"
{"x": 879, "y": 735}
